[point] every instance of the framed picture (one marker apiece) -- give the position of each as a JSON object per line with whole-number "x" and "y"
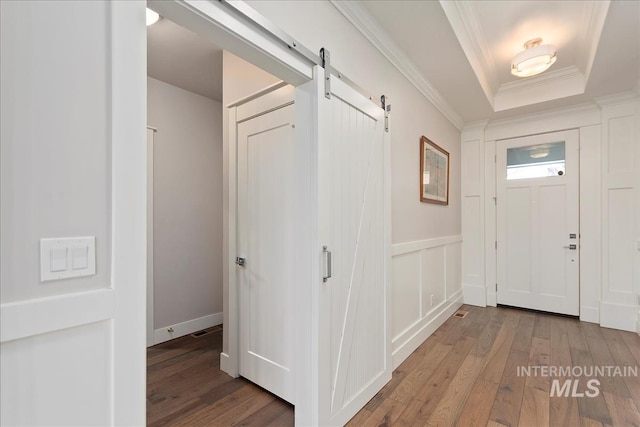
{"x": 434, "y": 173}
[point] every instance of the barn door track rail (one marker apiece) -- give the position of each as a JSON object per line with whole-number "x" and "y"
{"x": 322, "y": 59}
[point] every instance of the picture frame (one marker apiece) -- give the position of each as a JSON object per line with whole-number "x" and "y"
{"x": 434, "y": 173}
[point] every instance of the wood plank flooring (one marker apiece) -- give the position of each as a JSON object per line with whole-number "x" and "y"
{"x": 465, "y": 374}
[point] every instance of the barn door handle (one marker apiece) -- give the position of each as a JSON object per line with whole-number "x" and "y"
{"x": 327, "y": 264}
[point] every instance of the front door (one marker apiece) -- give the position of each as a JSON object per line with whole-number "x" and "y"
{"x": 537, "y": 213}
{"x": 266, "y": 200}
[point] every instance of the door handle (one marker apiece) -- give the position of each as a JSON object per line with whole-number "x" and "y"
{"x": 327, "y": 264}
{"x": 572, "y": 247}
{"x": 241, "y": 261}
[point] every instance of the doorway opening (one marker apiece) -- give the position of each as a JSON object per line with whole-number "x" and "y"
{"x": 189, "y": 124}
{"x": 342, "y": 250}
{"x": 184, "y": 182}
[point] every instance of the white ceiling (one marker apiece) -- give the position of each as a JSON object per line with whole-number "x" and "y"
{"x": 458, "y": 53}
{"x": 184, "y": 59}
{"x": 463, "y": 50}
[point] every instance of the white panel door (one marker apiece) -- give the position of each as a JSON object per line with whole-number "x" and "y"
{"x": 354, "y": 347}
{"x": 537, "y": 214}
{"x": 266, "y": 197}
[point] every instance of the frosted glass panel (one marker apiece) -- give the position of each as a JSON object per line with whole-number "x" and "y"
{"x": 536, "y": 161}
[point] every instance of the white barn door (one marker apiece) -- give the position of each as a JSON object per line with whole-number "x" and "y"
{"x": 354, "y": 342}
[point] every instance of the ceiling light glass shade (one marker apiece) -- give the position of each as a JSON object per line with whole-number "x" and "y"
{"x": 539, "y": 153}
{"x": 534, "y": 60}
{"x": 152, "y": 17}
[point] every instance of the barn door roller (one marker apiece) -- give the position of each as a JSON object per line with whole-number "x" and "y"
{"x": 325, "y": 58}
{"x": 384, "y": 101}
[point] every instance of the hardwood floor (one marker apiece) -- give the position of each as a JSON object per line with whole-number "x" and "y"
{"x": 185, "y": 387}
{"x": 465, "y": 374}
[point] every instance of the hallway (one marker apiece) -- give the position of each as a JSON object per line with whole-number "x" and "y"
{"x": 466, "y": 373}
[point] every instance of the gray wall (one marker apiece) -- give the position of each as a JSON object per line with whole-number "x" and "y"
{"x": 187, "y": 204}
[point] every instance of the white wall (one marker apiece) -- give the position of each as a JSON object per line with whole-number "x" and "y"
{"x": 187, "y": 209}
{"x": 72, "y": 161}
{"x": 45, "y": 193}
{"x": 609, "y": 205}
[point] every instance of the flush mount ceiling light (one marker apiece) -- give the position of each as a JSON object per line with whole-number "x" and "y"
{"x": 152, "y": 17}
{"x": 535, "y": 59}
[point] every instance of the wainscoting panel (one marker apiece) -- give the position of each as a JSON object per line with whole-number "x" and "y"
{"x": 620, "y": 224}
{"x": 433, "y": 279}
{"x": 426, "y": 290}
{"x": 405, "y": 305}
{"x": 60, "y": 364}
{"x": 473, "y": 216}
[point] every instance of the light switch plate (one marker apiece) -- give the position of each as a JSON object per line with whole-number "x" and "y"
{"x": 65, "y": 258}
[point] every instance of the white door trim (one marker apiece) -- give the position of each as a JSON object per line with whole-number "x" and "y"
{"x": 129, "y": 210}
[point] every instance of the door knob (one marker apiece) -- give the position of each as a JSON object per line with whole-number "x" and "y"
{"x": 572, "y": 247}
{"x": 241, "y": 261}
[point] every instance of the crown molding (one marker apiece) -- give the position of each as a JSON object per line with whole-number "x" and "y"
{"x": 587, "y": 107}
{"x": 469, "y": 32}
{"x": 474, "y": 131}
{"x": 364, "y": 22}
{"x": 550, "y": 85}
{"x": 562, "y": 83}
{"x": 540, "y": 80}
{"x": 546, "y": 121}
{"x": 617, "y": 98}
{"x": 592, "y": 25}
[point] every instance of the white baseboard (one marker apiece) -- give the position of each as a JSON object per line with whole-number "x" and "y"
{"x": 186, "y": 328}
{"x": 475, "y": 295}
{"x": 589, "y": 314}
{"x": 411, "y": 339}
{"x": 619, "y": 316}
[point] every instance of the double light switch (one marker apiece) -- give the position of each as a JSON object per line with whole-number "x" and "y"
{"x": 67, "y": 258}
